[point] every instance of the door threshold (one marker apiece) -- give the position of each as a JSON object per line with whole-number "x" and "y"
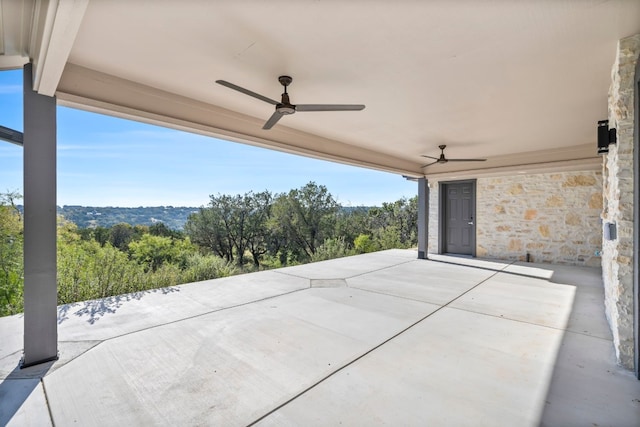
{"x": 459, "y": 255}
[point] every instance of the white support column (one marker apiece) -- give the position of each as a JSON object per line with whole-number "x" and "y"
{"x": 40, "y": 288}
{"x": 423, "y": 218}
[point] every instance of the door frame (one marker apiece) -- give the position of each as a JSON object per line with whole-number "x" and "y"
{"x": 442, "y": 201}
{"x": 636, "y": 221}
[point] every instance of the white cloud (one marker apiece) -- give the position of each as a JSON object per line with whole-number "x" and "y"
{"x": 10, "y": 89}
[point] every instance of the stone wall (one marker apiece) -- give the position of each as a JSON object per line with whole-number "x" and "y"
{"x": 553, "y": 217}
{"x": 617, "y": 256}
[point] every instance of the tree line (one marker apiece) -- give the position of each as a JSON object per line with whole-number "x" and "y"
{"x": 232, "y": 234}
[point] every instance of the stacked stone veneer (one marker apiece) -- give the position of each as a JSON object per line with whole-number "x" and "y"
{"x": 553, "y": 217}
{"x": 617, "y": 257}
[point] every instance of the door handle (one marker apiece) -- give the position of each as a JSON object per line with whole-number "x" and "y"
{"x": 470, "y": 222}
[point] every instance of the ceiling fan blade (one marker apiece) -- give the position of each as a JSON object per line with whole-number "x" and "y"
{"x": 429, "y": 157}
{"x": 329, "y": 107}
{"x": 429, "y": 164}
{"x": 272, "y": 120}
{"x": 247, "y": 92}
{"x": 467, "y": 160}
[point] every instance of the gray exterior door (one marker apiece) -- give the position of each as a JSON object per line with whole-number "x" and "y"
{"x": 458, "y": 212}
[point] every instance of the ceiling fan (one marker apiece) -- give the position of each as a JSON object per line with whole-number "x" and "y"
{"x": 285, "y": 107}
{"x": 442, "y": 159}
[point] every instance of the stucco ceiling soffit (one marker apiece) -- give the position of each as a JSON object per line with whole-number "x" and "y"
{"x": 95, "y": 91}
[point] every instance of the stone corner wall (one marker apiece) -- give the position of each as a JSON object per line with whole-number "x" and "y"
{"x": 617, "y": 255}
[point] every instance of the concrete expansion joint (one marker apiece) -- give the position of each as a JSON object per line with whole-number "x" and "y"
{"x": 293, "y": 275}
{"x": 479, "y": 267}
{"x": 382, "y": 268}
{"x": 495, "y": 273}
{"x": 46, "y": 400}
{"x": 565, "y": 330}
{"x": 347, "y": 277}
{"x": 371, "y": 350}
{"x": 587, "y": 335}
{"x": 195, "y": 316}
{"x": 391, "y": 295}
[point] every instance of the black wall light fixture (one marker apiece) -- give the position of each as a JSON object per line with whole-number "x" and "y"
{"x": 606, "y": 136}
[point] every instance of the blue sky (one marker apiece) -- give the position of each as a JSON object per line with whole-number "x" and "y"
{"x": 106, "y": 161}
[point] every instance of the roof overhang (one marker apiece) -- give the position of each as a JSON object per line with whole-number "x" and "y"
{"x": 520, "y": 83}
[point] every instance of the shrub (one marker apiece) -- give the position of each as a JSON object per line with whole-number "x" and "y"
{"x": 363, "y": 244}
{"x": 330, "y": 249}
{"x": 205, "y": 267}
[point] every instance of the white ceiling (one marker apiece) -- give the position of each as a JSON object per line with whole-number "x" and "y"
{"x": 518, "y": 82}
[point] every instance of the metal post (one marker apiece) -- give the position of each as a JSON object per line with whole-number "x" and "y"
{"x": 40, "y": 289}
{"x": 423, "y": 218}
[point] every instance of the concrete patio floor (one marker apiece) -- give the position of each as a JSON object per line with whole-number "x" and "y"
{"x": 375, "y": 339}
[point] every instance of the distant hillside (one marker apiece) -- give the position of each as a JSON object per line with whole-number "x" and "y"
{"x": 172, "y": 217}
{"x": 90, "y": 216}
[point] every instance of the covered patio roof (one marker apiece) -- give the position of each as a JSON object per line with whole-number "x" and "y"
{"x": 373, "y": 339}
{"x": 522, "y": 84}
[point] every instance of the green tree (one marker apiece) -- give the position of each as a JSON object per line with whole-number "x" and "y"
{"x": 232, "y": 225}
{"x": 99, "y": 234}
{"x": 161, "y": 229}
{"x": 395, "y": 223}
{"x": 120, "y": 235}
{"x": 352, "y": 222}
{"x": 406, "y": 219}
{"x": 387, "y": 238}
{"x": 234, "y": 213}
{"x": 205, "y": 229}
{"x": 152, "y": 251}
{"x": 221, "y": 226}
{"x": 11, "y": 265}
{"x": 304, "y": 218}
{"x": 259, "y": 237}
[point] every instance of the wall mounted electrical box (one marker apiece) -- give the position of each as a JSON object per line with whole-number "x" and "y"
{"x": 610, "y": 232}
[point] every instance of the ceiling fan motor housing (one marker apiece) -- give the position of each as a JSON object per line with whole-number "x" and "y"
{"x": 285, "y": 108}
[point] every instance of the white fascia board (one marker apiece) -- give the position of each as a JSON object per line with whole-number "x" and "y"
{"x": 12, "y": 62}
{"x": 58, "y": 33}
